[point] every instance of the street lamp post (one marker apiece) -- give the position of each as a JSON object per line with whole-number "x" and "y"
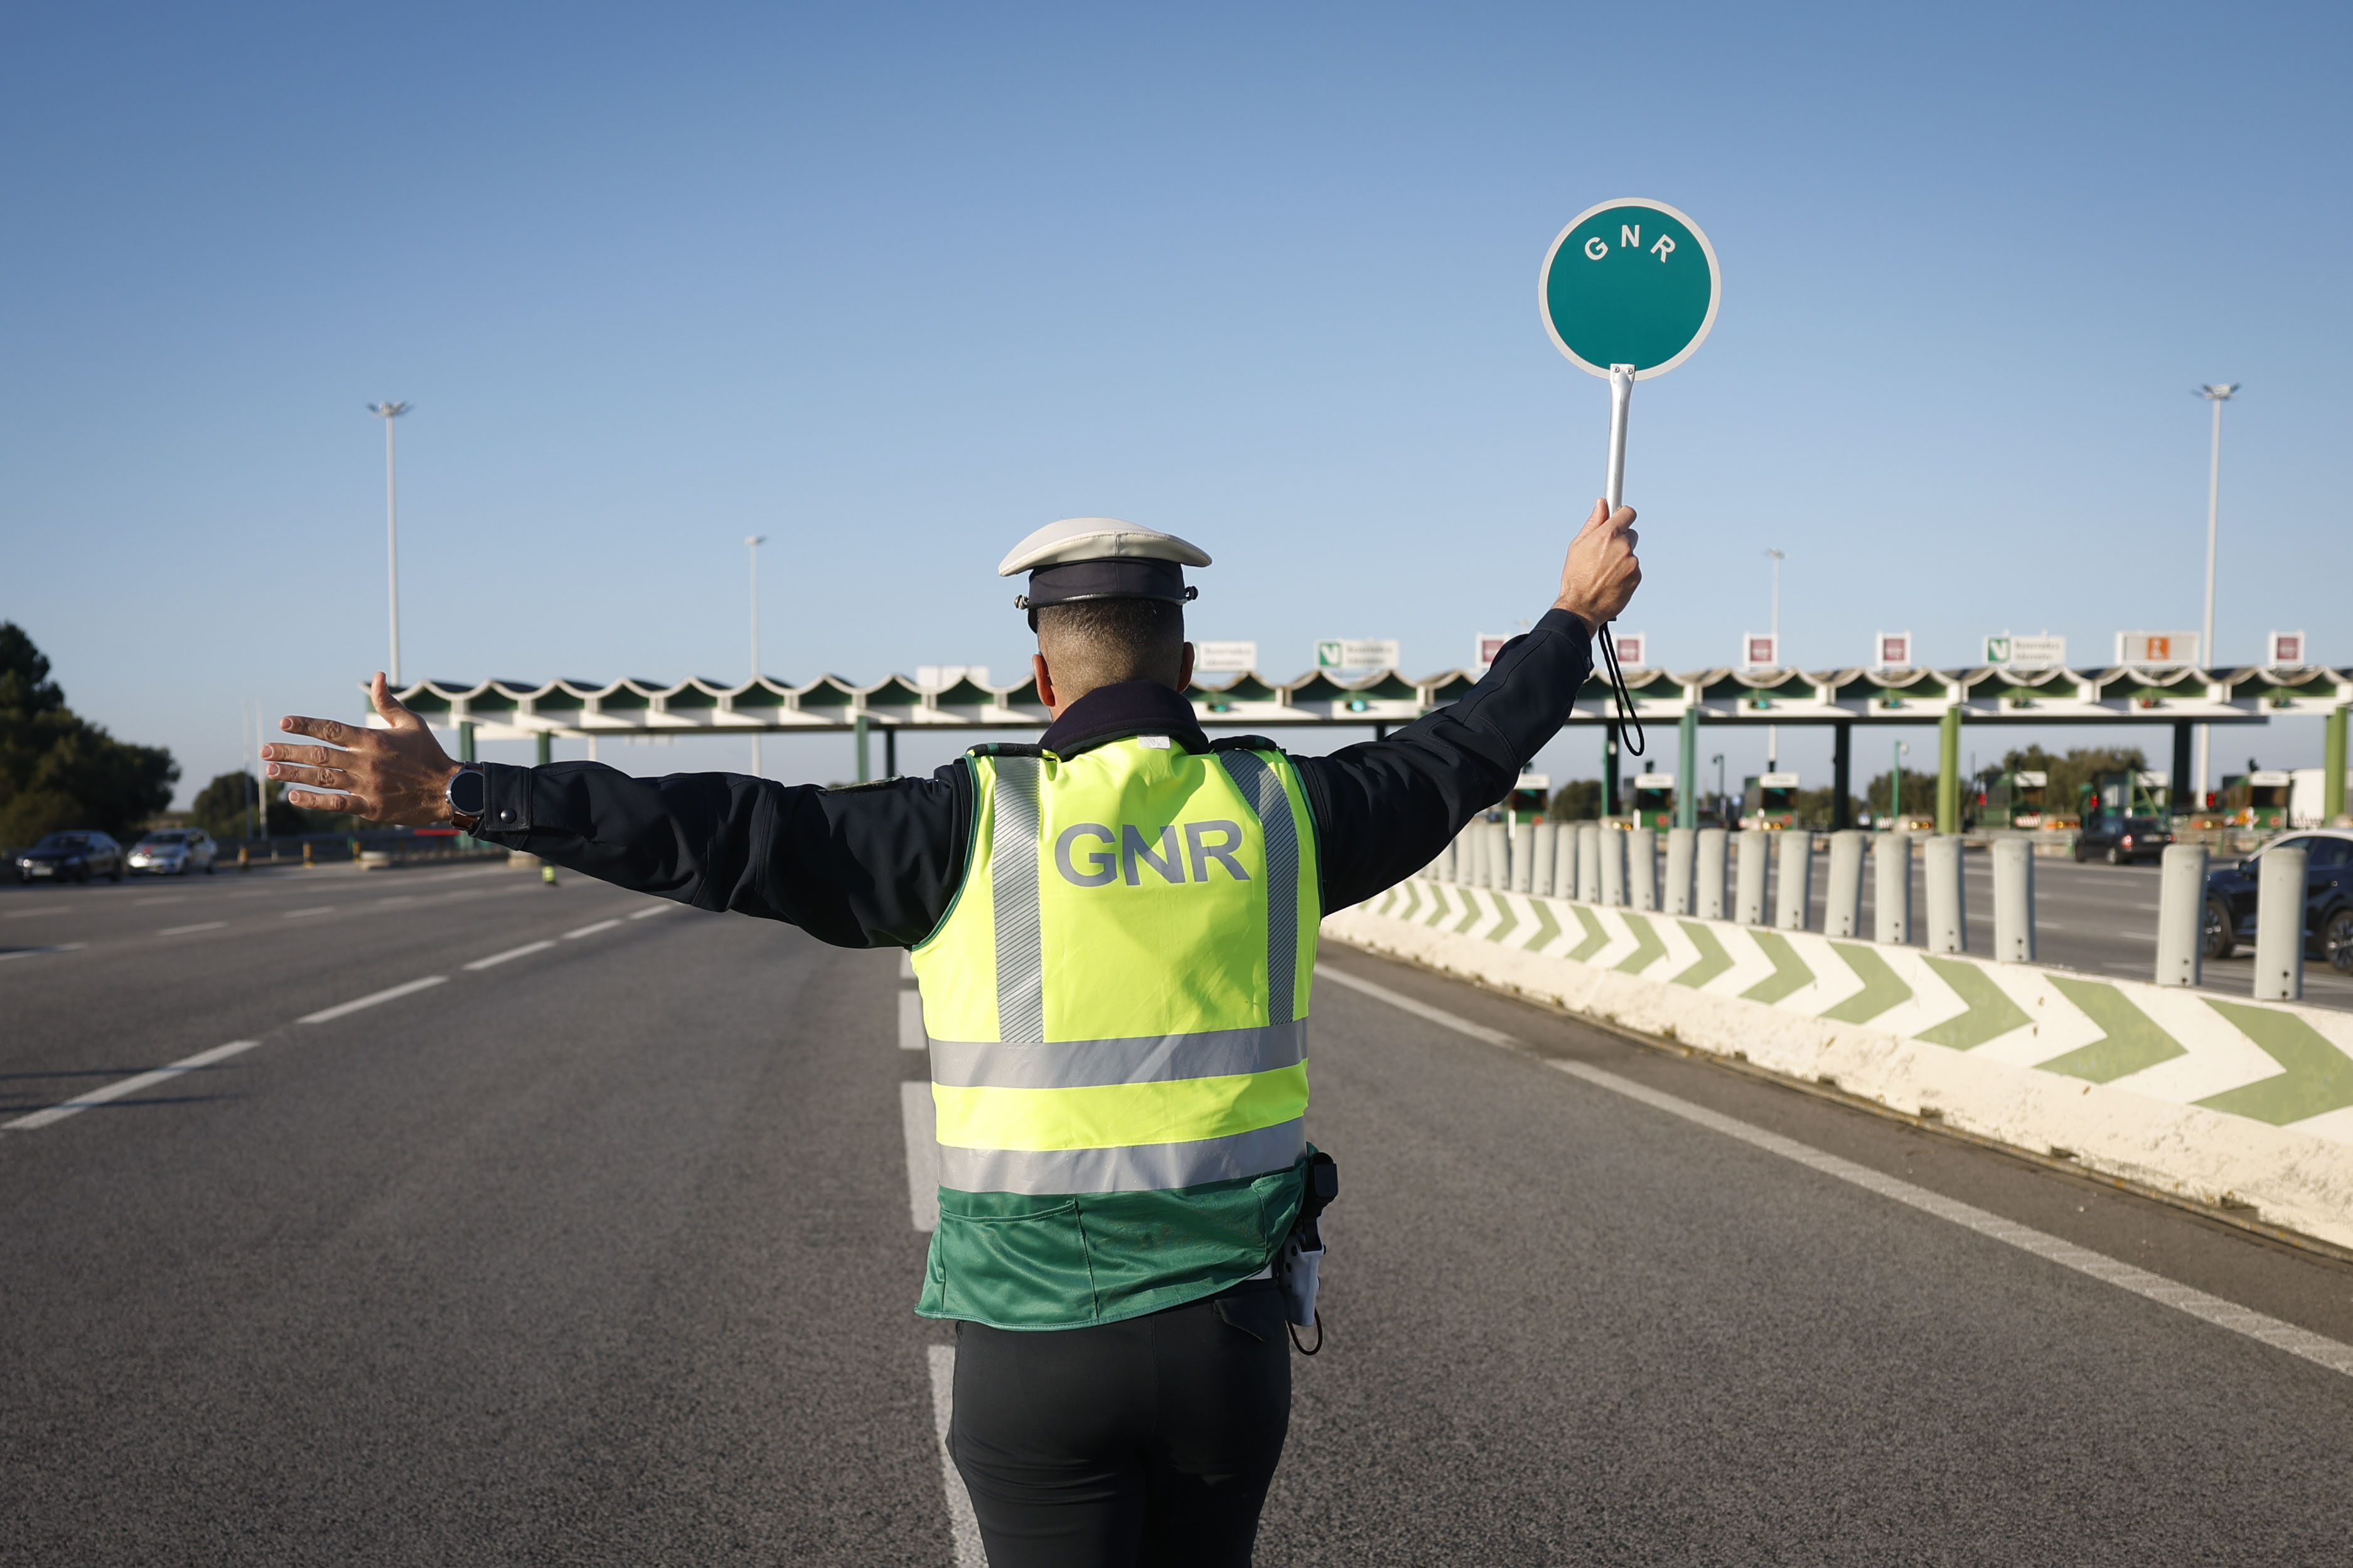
{"x": 1773, "y": 731}
{"x": 388, "y": 412}
{"x": 1896, "y": 788}
{"x": 2216, "y": 394}
{"x": 1718, "y": 760}
{"x": 752, "y": 543}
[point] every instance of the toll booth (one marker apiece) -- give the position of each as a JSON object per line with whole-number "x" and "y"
{"x": 1528, "y": 797}
{"x": 2267, "y": 796}
{"x": 1654, "y": 800}
{"x": 2121, "y": 793}
{"x": 2010, "y": 799}
{"x": 1768, "y": 801}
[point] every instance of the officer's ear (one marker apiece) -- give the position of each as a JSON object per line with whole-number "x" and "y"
{"x": 1046, "y": 682}
{"x": 1185, "y": 669}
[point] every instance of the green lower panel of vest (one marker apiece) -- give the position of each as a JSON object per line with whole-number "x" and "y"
{"x": 1015, "y": 1261}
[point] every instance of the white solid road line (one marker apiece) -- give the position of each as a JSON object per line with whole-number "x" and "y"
{"x": 183, "y": 931}
{"x": 299, "y": 914}
{"x": 121, "y": 1087}
{"x": 324, "y": 1013}
{"x": 919, "y": 1124}
{"x": 963, "y": 1527}
{"x": 497, "y": 958}
{"x": 2318, "y": 1349}
{"x": 657, "y": 909}
{"x": 910, "y": 1022}
{"x": 591, "y": 931}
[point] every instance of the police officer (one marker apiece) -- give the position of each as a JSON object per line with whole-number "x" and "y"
{"x": 1114, "y": 932}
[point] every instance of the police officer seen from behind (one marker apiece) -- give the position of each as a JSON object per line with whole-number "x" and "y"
{"x": 1114, "y": 932}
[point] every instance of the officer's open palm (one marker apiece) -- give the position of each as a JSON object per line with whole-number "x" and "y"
{"x": 1602, "y": 570}
{"x": 398, "y": 775}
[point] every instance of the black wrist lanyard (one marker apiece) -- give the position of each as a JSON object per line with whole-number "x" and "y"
{"x": 1619, "y": 695}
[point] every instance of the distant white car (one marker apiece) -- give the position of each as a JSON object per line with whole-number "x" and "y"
{"x": 174, "y": 852}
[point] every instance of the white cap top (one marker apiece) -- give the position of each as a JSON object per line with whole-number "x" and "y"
{"x": 1098, "y": 539}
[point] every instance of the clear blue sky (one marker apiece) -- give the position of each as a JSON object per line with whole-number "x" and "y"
{"x": 895, "y": 285}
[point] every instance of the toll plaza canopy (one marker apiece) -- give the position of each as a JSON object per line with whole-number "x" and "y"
{"x": 508, "y": 709}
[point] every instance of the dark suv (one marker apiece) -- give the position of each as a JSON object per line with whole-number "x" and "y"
{"x": 2120, "y": 840}
{"x": 2328, "y": 898}
{"x": 74, "y": 856}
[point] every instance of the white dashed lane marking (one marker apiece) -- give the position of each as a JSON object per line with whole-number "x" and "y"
{"x": 184, "y": 930}
{"x": 121, "y": 1087}
{"x": 387, "y": 994}
{"x": 498, "y": 958}
{"x": 591, "y": 930}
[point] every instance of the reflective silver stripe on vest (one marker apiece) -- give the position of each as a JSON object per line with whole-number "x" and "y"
{"x": 1148, "y": 1058}
{"x": 1259, "y": 784}
{"x": 1013, "y": 894}
{"x": 1138, "y": 1168}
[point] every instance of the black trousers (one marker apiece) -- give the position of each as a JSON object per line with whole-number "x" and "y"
{"x": 1147, "y": 1442}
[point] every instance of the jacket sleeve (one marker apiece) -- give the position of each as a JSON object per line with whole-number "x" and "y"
{"x": 1384, "y": 809}
{"x": 867, "y": 866}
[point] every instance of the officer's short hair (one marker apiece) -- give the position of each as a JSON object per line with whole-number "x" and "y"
{"x": 1101, "y": 642}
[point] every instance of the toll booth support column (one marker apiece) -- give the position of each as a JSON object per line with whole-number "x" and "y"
{"x": 1841, "y": 770}
{"x": 546, "y": 747}
{"x": 465, "y": 741}
{"x": 1948, "y": 772}
{"x": 858, "y": 727}
{"x": 890, "y": 750}
{"x": 1687, "y": 770}
{"x": 2332, "y": 766}
{"x": 1610, "y": 770}
{"x": 2185, "y": 789}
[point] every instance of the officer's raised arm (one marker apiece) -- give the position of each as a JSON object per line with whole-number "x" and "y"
{"x": 1387, "y": 807}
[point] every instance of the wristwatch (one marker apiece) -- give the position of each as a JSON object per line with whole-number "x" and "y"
{"x": 468, "y": 793}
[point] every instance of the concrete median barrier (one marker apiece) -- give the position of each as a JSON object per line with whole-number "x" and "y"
{"x": 2240, "y": 1106}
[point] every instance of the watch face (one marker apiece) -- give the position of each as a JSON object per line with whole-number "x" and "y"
{"x": 468, "y": 793}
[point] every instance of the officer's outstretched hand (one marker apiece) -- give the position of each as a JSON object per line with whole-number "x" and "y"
{"x": 398, "y": 775}
{"x": 1602, "y": 570}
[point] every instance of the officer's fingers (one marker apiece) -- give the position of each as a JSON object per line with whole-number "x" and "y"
{"x": 312, "y": 800}
{"x": 1598, "y": 516}
{"x": 315, "y": 757}
{"x": 328, "y": 777}
{"x": 395, "y": 712}
{"x": 1622, "y": 518}
{"x": 333, "y": 731}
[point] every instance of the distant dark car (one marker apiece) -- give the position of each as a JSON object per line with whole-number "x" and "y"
{"x": 2120, "y": 840}
{"x": 2328, "y": 897}
{"x": 74, "y": 856}
{"x": 174, "y": 852}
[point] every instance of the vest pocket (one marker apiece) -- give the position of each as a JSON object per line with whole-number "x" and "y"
{"x": 1027, "y": 1270}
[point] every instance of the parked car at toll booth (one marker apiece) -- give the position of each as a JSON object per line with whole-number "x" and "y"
{"x": 174, "y": 852}
{"x": 74, "y": 856}
{"x": 2120, "y": 840}
{"x": 2230, "y": 914}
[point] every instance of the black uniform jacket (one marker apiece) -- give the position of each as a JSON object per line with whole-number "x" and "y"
{"x": 877, "y": 865}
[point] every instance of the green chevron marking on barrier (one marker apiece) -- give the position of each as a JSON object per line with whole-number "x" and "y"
{"x": 1789, "y": 972}
{"x": 1508, "y": 924}
{"x": 1388, "y": 899}
{"x": 1648, "y": 948}
{"x": 1882, "y": 988}
{"x": 1405, "y": 911}
{"x": 1713, "y": 960}
{"x": 1990, "y": 1013}
{"x": 1596, "y": 938}
{"x": 1439, "y": 905}
{"x": 1548, "y": 927}
{"x": 1470, "y": 902}
{"x": 2319, "y": 1076}
{"x": 2129, "y": 1038}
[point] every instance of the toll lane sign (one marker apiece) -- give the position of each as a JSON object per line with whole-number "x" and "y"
{"x": 1629, "y": 282}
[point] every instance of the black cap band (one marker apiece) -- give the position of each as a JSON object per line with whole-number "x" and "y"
{"x": 1123, "y": 577}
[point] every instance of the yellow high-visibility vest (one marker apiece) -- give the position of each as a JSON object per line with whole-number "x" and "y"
{"x": 1117, "y": 1003}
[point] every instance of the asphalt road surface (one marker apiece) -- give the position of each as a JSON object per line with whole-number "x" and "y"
{"x": 602, "y": 1253}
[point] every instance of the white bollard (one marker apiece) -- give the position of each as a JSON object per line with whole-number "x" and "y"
{"x": 1749, "y": 906}
{"x": 1793, "y": 879}
{"x": 1541, "y": 851}
{"x": 1890, "y": 893}
{"x": 1948, "y": 926}
{"x": 1497, "y": 871}
{"x": 1708, "y": 899}
{"x": 2279, "y": 925}
{"x": 2181, "y": 915}
{"x": 1643, "y": 870}
{"x": 1842, "y": 911}
{"x": 1680, "y": 843}
{"x": 1613, "y": 868}
{"x": 1588, "y": 862}
{"x": 1564, "y": 862}
{"x": 1524, "y": 860}
{"x": 2013, "y": 901}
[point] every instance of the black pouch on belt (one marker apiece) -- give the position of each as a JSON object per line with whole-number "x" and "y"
{"x": 1302, "y": 1250}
